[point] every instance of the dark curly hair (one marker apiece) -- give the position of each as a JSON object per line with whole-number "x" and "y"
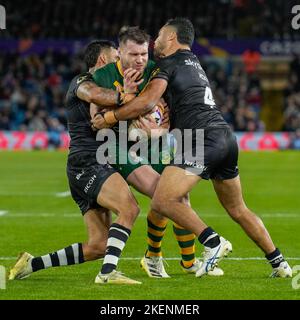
{"x": 184, "y": 30}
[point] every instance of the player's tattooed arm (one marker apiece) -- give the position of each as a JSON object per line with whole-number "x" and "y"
{"x": 88, "y": 91}
{"x": 144, "y": 103}
{"x": 139, "y": 106}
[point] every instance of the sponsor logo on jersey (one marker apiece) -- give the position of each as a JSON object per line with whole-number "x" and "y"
{"x": 78, "y": 176}
{"x": 90, "y": 183}
{"x": 189, "y": 62}
{"x": 195, "y": 164}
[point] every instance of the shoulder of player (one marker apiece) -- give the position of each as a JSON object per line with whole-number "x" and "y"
{"x": 163, "y": 64}
{"x": 105, "y": 70}
{"x": 79, "y": 78}
{"x": 180, "y": 59}
{"x": 166, "y": 61}
{"x": 151, "y": 64}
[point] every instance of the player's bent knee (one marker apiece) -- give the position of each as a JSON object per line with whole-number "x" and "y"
{"x": 134, "y": 211}
{"x": 129, "y": 211}
{"x": 237, "y": 213}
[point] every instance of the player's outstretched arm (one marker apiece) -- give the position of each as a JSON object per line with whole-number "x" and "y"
{"x": 144, "y": 103}
{"x": 138, "y": 106}
{"x": 88, "y": 91}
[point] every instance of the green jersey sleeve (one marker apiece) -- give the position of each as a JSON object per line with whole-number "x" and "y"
{"x": 106, "y": 76}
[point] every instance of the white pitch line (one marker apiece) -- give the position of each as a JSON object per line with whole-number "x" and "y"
{"x": 280, "y": 215}
{"x": 42, "y": 214}
{"x": 142, "y": 215}
{"x": 3, "y": 212}
{"x": 35, "y": 194}
{"x": 63, "y": 194}
{"x": 177, "y": 258}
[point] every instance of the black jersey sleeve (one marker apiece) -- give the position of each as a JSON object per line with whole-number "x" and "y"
{"x": 82, "y": 78}
{"x": 164, "y": 70}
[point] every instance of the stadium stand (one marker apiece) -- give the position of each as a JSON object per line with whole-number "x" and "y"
{"x": 32, "y": 87}
{"x": 93, "y": 18}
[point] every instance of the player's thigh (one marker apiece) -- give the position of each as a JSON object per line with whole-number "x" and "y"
{"x": 229, "y": 192}
{"x": 97, "y": 222}
{"x": 175, "y": 184}
{"x": 116, "y": 195}
{"x": 126, "y": 163}
{"x": 144, "y": 179}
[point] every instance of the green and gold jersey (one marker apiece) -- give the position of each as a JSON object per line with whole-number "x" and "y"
{"x": 111, "y": 76}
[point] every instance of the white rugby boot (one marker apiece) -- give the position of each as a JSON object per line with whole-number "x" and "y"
{"x": 282, "y": 271}
{"x": 154, "y": 267}
{"x": 197, "y": 265}
{"x": 212, "y": 256}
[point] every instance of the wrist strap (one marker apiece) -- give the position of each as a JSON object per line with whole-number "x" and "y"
{"x": 110, "y": 117}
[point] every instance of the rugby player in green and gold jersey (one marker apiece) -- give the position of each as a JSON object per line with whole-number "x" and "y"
{"x": 134, "y": 62}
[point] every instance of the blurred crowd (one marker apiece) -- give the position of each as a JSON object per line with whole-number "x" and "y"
{"x": 102, "y": 18}
{"x": 33, "y": 88}
{"x": 237, "y": 93}
{"x": 292, "y": 97}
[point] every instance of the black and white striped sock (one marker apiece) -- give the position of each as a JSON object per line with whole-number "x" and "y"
{"x": 209, "y": 238}
{"x": 275, "y": 258}
{"x": 67, "y": 256}
{"x": 117, "y": 237}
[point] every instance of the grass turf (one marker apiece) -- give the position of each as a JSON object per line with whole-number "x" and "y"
{"x": 39, "y": 222}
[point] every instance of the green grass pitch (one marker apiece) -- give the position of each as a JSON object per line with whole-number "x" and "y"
{"x": 34, "y": 219}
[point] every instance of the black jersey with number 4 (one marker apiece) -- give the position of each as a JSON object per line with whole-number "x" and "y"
{"x": 188, "y": 93}
{"x": 83, "y": 138}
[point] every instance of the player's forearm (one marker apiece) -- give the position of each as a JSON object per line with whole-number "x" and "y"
{"x": 91, "y": 93}
{"x": 140, "y": 105}
{"x": 135, "y": 108}
{"x": 104, "y": 97}
{"x": 144, "y": 103}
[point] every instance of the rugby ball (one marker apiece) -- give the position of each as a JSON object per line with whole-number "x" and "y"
{"x": 157, "y": 114}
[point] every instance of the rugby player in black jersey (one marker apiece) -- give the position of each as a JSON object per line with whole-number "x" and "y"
{"x": 181, "y": 79}
{"x": 96, "y": 188}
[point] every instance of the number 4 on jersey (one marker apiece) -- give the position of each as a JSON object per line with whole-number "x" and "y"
{"x": 208, "y": 97}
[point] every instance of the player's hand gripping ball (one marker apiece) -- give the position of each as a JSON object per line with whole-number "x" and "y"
{"x": 156, "y": 114}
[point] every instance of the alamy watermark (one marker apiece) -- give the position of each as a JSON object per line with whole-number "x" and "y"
{"x": 2, "y": 278}
{"x": 179, "y": 147}
{"x": 296, "y": 19}
{"x": 296, "y": 277}
{"x": 2, "y": 18}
